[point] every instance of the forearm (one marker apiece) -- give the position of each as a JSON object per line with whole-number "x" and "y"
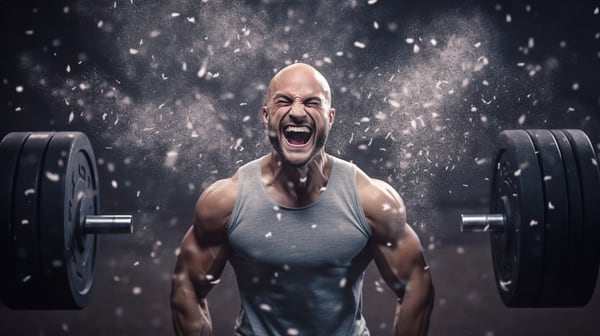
{"x": 190, "y": 315}
{"x": 413, "y": 311}
{"x": 191, "y": 319}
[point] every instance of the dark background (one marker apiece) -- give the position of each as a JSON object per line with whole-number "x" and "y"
{"x": 170, "y": 94}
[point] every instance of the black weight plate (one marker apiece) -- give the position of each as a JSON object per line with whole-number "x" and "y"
{"x": 573, "y": 240}
{"x": 26, "y": 199}
{"x": 10, "y": 150}
{"x": 556, "y": 220}
{"x": 517, "y": 192}
{"x": 589, "y": 179}
{"x": 70, "y": 191}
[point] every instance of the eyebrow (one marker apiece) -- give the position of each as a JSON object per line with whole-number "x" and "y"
{"x": 314, "y": 98}
{"x": 281, "y": 95}
{"x": 286, "y": 97}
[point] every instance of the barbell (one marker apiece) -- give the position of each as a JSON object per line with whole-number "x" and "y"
{"x": 544, "y": 218}
{"x": 49, "y": 220}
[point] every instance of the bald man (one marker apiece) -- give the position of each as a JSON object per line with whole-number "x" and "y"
{"x": 299, "y": 227}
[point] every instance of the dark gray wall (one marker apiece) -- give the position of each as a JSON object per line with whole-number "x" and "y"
{"x": 170, "y": 94}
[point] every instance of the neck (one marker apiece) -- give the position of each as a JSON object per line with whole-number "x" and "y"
{"x": 300, "y": 184}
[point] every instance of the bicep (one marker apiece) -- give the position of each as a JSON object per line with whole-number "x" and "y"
{"x": 400, "y": 260}
{"x": 395, "y": 246}
{"x": 204, "y": 250}
{"x": 199, "y": 265}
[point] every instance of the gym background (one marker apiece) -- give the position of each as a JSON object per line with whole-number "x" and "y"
{"x": 170, "y": 95}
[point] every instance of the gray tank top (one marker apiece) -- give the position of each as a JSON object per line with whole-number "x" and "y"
{"x": 299, "y": 270}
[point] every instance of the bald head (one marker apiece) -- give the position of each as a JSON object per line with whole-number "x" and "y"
{"x": 300, "y": 75}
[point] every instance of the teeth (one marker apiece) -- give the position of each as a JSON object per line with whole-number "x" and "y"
{"x": 299, "y": 129}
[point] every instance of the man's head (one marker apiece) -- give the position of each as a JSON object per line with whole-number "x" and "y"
{"x": 298, "y": 113}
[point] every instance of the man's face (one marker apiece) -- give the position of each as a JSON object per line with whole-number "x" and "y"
{"x": 298, "y": 114}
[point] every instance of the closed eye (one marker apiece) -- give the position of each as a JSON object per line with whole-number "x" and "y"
{"x": 282, "y": 100}
{"x": 312, "y": 103}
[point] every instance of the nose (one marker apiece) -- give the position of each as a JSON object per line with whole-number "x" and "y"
{"x": 297, "y": 112}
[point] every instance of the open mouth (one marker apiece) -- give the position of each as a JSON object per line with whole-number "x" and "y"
{"x": 297, "y": 135}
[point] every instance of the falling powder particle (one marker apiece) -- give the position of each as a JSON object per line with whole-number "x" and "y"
{"x": 268, "y": 235}
{"x": 533, "y": 222}
{"x": 360, "y": 45}
{"x": 52, "y": 177}
{"x": 265, "y": 307}
{"x": 19, "y": 89}
{"x": 171, "y": 158}
{"x": 133, "y": 51}
{"x": 114, "y": 184}
{"x": 505, "y": 285}
{"x": 293, "y": 331}
{"x": 136, "y": 290}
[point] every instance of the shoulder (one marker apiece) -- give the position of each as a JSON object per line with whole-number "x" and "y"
{"x": 383, "y": 206}
{"x": 215, "y": 205}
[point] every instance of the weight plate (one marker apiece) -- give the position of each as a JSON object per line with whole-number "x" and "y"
{"x": 517, "y": 193}
{"x": 70, "y": 191}
{"x": 556, "y": 217}
{"x": 573, "y": 240}
{"x": 10, "y": 150}
{"x": 589, "y": 179}
{"x": 25, "y": 229}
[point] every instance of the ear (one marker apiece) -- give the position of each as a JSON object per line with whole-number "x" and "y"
{"x": 331, "y": 117}
{"x": 265, "y": 114}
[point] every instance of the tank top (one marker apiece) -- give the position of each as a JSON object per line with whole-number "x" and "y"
{"x": 299, "y": 271}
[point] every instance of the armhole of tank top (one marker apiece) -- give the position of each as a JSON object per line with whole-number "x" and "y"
{"x": 362, "y": 218}
{"x": 233, "y": 222}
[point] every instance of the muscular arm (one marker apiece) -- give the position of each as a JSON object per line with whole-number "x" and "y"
{"x": 398, "y": 255}
{"x": 202, "y": 257}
